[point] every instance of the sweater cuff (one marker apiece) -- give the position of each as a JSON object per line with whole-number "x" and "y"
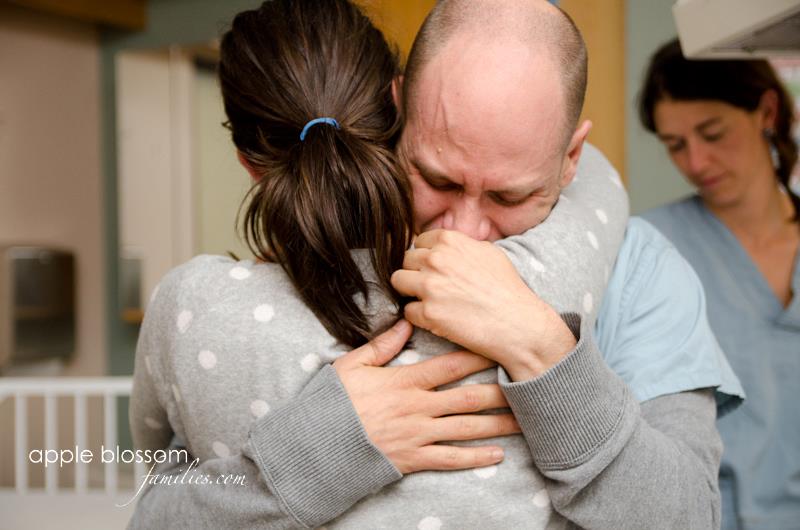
{"x": 315, "y": 454}
{"x": 567, "y": 413}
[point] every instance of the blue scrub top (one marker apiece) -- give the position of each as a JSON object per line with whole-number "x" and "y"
{"x": 652, "y": 326}
{"x": 760, "y": 472}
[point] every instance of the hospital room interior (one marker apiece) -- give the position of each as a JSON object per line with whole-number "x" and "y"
{"x": 116, "y": 166}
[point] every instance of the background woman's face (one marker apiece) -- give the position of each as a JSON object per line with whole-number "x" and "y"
{"x": 719, "y": 148}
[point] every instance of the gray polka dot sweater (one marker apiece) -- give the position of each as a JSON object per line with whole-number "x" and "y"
{"x": 233, "y": 367}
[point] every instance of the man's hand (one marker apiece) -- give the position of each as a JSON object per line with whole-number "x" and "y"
{"x": 405, "y": 416}
{"x": 470, "y": 294}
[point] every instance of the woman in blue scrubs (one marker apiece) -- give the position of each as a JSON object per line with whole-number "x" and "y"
{"x": 727, "y": 126}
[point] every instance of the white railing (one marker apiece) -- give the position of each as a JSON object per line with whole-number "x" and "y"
{"x": 21, "y": 389}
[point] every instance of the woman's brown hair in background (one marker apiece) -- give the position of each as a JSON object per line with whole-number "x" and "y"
{"x": 740, "y": 83}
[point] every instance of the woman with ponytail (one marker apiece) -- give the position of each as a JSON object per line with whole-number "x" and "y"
{"x": 727, "y": 125}
{"x": 234, "y": 361}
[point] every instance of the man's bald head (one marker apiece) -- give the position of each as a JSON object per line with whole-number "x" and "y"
{"x": 547, "y": 30}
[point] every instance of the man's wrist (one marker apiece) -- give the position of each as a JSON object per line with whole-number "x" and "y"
{"x": 547, "y": 340}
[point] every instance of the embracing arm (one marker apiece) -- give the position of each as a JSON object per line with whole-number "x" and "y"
{"x": 566, "y": 260}
{"x": 310, "y": 459}
{"x": 611, "y": 462}
{"x": 304, "y": 464}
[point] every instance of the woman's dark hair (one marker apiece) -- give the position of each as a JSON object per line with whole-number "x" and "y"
{"x": 282, "y": 65}
{"x": 740, "y": 83}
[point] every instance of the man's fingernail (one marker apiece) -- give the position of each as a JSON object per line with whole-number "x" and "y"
{"x": 497, "y": 454}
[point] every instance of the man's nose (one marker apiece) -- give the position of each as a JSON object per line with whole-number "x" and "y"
{"x": 466, "y": 216}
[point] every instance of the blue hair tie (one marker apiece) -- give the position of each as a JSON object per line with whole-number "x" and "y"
{"x": 315, "y": 121}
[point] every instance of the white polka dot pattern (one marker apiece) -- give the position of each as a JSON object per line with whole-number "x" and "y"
{"x": 408, "y": 357}
{"x": 310, "y": 363}
{"x": 593, "y": 240}
{"x": 541, "y": 499}
{"x": 263, "y": 313}
{"x": 485, "y": 472}
{"x": 537, "y": 265}
{"x": 588, "y": 303}
{"x": 259, "y": 408}
{"x": 221, "y": 450}
{"x": 207, "y": 359}
{"x": 239, "y": 273}
{"x": 184, "y": 320}
{"x": 430, "y": 523}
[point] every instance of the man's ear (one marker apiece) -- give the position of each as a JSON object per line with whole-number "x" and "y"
{"x": 245, "y": 164}
{"x": 397, "y": 93}
{"x": 573, "y": 154}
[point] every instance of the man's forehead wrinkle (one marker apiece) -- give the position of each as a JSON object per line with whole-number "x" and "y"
{"x": 480, "y": 120}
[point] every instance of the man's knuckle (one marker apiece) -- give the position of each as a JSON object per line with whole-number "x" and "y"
{"x": 429, "y": 312}
{"x": 466, "y": 427}
{"x": 448, "y": 237}
{"x": 471, "y": 401}
{"x": 451, "y": 368}
{"x": 451, "y": 457}
{"x": 437, "y": 260}
{"x": 429, "y": 284}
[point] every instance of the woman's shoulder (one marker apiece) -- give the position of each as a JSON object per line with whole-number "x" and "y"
{"x": 209, "y": 279}
{"x": 673, "y": 212}
{"x": 676, "y": 218}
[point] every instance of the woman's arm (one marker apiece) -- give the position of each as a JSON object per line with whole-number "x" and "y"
{"x": 319, "y": 428}
{"x": 567, "y": 259}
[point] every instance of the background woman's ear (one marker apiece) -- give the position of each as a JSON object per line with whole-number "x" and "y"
{"x": 245, "y": 164}
{"x": 397, "y": 92}
{"x": 768, "y": 108}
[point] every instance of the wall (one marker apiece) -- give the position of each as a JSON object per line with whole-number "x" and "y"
{"x": 222, "y": 181}
{"x": 652, "y": 179}
{"x": 181, "y": 22}
{"x": 50, "y": 180}
{"x": 602, "y": 25}
{"x": 50, "y": 185}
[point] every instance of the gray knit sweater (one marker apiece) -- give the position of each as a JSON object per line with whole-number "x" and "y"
{"x": 232, "y": 366}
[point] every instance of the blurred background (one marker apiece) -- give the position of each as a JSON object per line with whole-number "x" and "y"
{"x": 114, "y": 167}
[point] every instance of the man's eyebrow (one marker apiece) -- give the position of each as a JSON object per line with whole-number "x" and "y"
{"x": 428, "y": 172}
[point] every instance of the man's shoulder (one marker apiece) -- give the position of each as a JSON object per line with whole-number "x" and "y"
{"x": 642, "y": 245}
{"x": 652, "y": 326}
{"x": 649, "y": 273}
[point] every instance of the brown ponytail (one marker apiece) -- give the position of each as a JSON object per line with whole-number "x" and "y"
{"x": 282, "y": 65}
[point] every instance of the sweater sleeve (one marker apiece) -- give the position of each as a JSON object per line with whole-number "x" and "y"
{"x": 567, "y": 259}
{"x": 611, "y": 462}
{"x": 303, "y": 464}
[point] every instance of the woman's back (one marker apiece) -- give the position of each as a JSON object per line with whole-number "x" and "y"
{"x": 227, "y": 341}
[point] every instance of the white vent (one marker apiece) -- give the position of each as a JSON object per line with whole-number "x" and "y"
{"x": 715, "y": 29}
